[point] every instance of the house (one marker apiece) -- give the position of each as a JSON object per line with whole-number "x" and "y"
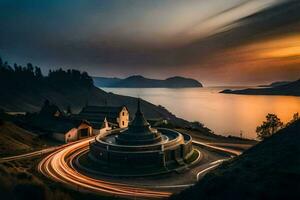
{"x": 69, "y": 130}
{"x": 105, "y": 116}
{"x": 51, "y": 120}
{"x": 63, "y": 129}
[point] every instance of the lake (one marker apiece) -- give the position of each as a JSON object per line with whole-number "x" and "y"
{"x": 225, "y": 114}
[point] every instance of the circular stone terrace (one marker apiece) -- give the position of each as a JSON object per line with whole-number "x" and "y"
{"x": 139, "y": 151}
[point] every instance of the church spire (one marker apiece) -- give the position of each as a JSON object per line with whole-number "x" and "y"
{"x": 139, "y": 107}
{"x": 139, "y": 120}
{"x": 139, "y": 131}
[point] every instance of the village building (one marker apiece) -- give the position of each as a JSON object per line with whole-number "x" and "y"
{"x": 92, "y": 120}
{"x": 54, "y": 122}
{"x": 70, "y": 131}
{"x": 63, "y": 129}
{"x": 105, "y": 117}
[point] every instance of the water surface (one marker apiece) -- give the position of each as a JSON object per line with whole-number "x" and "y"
{"x": 225, "y": 114}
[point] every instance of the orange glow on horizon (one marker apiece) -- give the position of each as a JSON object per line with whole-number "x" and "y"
{"x": 280, "y": 48}
{"x": 259, "y": 62}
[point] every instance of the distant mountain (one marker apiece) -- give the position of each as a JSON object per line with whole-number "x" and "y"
{"x": 289, "y": 89}
{"x": 269, "y": 170}
{"x": 25, "y": 89}
{"x": 275, "y": 84}
{"x": 105, "y": 82}
{"x": 142, "y": 82}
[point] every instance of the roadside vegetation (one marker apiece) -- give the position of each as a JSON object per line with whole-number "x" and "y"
{"x": 272, "y": 125}
{"x": 16, "y": 140}
{"x": 20, "y": 181}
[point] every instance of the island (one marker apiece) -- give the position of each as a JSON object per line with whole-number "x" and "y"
{"x": 138, "y": 81}
{"x": 276, "y": 83}
{"x": 288, "y": 89}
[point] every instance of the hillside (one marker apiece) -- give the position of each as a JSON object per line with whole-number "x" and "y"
{"x": 290, "y": 89}
{"x": 24, "y": 89}
{"x": 77, "y": 98}
{"x": 269, "y": 170}
{"x": 105, "y": 81}
{"x": 142, "y": 82}
{"x": 14, "y": 139}
{"x": 19, "y": 180}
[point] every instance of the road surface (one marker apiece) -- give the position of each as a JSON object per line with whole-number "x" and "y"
{"x": 58, "y": 166}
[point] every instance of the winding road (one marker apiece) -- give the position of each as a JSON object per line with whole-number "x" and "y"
{"x": 58, "y": 166}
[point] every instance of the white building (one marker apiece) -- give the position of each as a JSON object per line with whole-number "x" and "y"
{"x": 105, "y": 116}
{"x": 67, "y": 131}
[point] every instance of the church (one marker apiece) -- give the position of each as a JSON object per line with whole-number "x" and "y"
{"x": 107, "y": 117}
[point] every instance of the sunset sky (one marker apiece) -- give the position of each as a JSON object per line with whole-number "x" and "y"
{"x": 218, "y": 42}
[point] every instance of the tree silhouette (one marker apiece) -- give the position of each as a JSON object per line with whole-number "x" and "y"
{"x": 38, "y": 73}
{"x": 46, "y": 103}
{"x": 296, "y": 117}
{"x": 28, "y": 77}
{"x": 69, "y": 110}
{"x": 269, "y": 127}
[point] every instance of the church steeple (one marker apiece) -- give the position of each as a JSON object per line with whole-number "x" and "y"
{"x": 139, "y": 120}
{"x": 139, "y": 106}
{"x": 139, "y": 131}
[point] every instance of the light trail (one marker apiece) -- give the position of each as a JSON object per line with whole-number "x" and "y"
{"x": 28, "y": 155}
{"x": 212, "y": 166}
{"x": 34, "y": 153}
{"x": 58, "y": 166}
{"x": 226, "y": 150}
{"x": 216, "y": 163}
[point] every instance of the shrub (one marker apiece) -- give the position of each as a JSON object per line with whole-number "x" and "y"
{"x": 30, "y": 191}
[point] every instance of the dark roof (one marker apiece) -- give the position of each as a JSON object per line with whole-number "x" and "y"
{"x": 103, "y": 109}
{"x": 97, "y": 125}
{"x": 49, "y": 110}
{"x": 97, "y": 114}
{"x": 57, "y": 125}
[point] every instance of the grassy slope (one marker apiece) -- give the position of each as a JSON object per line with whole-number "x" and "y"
{"x": 20, "y": 181}
{"x": 269, "y": 170}
{"x": 14, "y": 140}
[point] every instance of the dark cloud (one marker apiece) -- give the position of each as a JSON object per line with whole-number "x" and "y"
{"x": 51, "y": 44}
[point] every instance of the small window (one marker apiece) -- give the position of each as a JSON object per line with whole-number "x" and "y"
{"x": 123, "y": 123}
{"x": 123, "y": 113}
